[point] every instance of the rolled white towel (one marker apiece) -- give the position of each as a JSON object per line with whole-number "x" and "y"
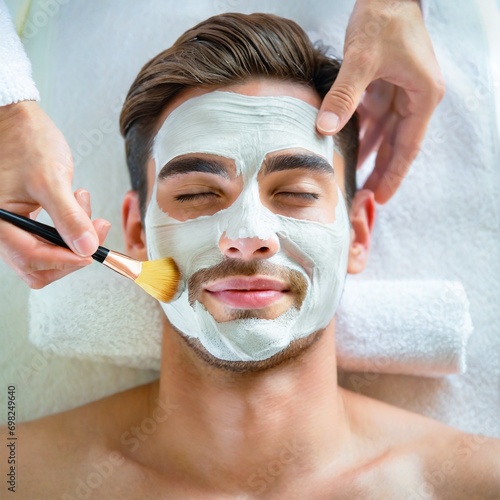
{"x": 407, "y": 327}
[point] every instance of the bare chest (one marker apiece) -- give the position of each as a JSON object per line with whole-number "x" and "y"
{"x": 119, "y": 479}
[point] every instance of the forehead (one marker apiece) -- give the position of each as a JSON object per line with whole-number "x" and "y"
{"x": 241, "y": 127}
{"x": 264, "y": 87}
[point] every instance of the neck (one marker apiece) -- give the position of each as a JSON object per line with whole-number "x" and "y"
{"x": 256, "y": 428}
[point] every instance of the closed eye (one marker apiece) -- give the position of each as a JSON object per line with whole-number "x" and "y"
{"x": 195, "y": 196}
{"x": 306, "y": 196}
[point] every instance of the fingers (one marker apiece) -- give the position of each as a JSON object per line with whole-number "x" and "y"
{"x": 39, "y": 263}
{"x": 71, "y": 216}
{"x": 56, "y": 270}
{"x": 36, "y": 170}
{"x": 374, "y": 114}
{"x": 101, "y": 227}
{"x": 386, "y": 45}
{"x": 83, "y": 199}
{"x": 403, "y": 132}
{"x": 28, "y": 255}
{"x": 399, "y": 148}
{"x": 343, "y": 98}
{"x": 371, "y": 139}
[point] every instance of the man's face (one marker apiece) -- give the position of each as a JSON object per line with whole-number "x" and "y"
{"x": 244, "y": 197}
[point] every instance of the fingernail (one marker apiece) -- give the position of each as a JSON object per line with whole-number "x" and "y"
{"x": 105, "y": 227}
{"x": 86, "y": 244}
{"x": 84, "y": 197}
{"x": 328, "y": 122}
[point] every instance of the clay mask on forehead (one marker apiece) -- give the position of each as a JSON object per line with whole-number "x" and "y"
{"x": 246, "y": 129}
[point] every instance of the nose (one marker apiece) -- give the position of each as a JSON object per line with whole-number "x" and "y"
{"x": 248, "y": 248}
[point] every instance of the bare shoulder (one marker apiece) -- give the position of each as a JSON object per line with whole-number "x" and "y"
{"x": 55, "y": 452}
{"x": 474, "y": 463}
{"x": 92, "y": 422}
{"x": 459, "y": 465}
{"x": 440, "y": 462}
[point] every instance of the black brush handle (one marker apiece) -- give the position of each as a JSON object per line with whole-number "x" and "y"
{"x": 46, "y": 232}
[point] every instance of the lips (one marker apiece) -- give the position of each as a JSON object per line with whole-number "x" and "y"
{"x": 247, "y": 293}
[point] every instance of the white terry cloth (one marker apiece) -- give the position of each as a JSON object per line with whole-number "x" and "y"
{"x": 403, "y": 327}
{"x": 16, "y": 83}
{"x": 443, "y": 224}
{"x": 418, "y": 328}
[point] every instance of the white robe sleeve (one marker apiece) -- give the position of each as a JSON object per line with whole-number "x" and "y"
{"x": 16, "y": 83}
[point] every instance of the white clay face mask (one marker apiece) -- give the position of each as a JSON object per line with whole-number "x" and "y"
{"x": 246, "y": 129}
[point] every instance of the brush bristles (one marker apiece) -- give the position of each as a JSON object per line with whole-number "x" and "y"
{"x": 159, "y": 278}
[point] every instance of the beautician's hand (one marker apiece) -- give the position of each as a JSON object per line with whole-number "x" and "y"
{"x": 36, "y": 170}
{"x": 389, "y": 54}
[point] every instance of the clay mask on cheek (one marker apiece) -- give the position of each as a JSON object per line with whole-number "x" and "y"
{"x": 246, "y": 129}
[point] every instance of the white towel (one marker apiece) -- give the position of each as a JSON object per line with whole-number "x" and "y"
{"x": 16, "y": 83}
{"x": 407, "y": 327}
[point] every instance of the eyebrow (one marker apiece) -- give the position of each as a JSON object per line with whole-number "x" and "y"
{"x": 295, "y": 161}
{"x": 186, "y": 165}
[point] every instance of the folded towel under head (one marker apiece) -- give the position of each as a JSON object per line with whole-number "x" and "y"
{"x": 407, "y": 327}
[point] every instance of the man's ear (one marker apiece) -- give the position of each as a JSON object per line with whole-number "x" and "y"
{"x": 362, "y": 216}
{"x": 133, "y": 230}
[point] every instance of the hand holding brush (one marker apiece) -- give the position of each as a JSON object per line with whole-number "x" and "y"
{"x": 159, "y": 277}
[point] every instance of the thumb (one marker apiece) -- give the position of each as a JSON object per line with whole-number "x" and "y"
{"x": 71, "y": 220}
{"x": 343, "y": 98}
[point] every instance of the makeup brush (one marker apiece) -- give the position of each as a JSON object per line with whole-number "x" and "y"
{"x": 159, "y": 277}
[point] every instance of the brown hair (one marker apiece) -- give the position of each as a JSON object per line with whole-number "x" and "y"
{"x": 224, "y": 50}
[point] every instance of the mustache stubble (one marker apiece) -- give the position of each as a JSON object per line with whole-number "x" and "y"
{"x": 234, "y": 267}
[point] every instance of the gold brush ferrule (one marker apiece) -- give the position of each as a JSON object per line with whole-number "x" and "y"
{"x": 126, "y": 266}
